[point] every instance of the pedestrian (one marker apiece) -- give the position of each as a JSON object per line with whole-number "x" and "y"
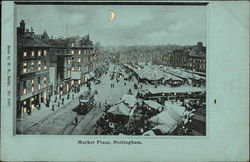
{"x": 99, "y": 105}
{"x": 96, "y": 129}
{"x": 53, "y": 107}
{"x": 76, "y": 120}
{"x": 58, "y": 104}
{"x": 62, "y": 101}
{"x": 73, "y": 96}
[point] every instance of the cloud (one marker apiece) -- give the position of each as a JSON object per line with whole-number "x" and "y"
{"x": 133, "y": 24}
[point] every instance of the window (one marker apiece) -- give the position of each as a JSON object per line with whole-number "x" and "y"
{"x": 45, "y": 65}
{"x": 72, "y": 52}
{"x": 24, "y": 91}
{"x": 79, "y": 52}
{"x": 45, "y": 52}
{"x": 44, "y": 95}
{"x": 39, "y": 85}
{"x": 68, "y": 61}
{"x": 24, "y": 87}
{"x": 25, "y": 64}
{"x": 44, "y": 80}
{"x": 39, "y": 53}
{"x": 79, "y": 59}
{"x": 67, "y": 86}
{"x": 73, "y": 68}
{"x": 24, "y": 70}
{"x": 68, "y": 72}
{"x": 32, "y": 105}
{"x": 72, "y": 44}
{"x": 32, "y": 53}
{"x": 32, "y": 84}
{"x": 24, "y": 54}
{"x": 39, "y": 64}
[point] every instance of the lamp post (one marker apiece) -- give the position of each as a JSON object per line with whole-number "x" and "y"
{"x": 138, "y": 80}
{"x": 155, "y": 77}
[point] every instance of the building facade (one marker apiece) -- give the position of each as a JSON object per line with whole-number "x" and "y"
{"x": 32, "y": 72}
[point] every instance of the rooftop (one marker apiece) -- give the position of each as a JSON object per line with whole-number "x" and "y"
{"x": 27, "y": 41}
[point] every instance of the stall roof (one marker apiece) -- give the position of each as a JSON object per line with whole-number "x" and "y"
{"x": 177, "y": 90}
{"x": 175, "y": 110}
{"x": 129, "y": 99}
{"x": 153, "y": 104}
{"x": 185, "y": 74}
{"x": 163, "y": 118}
{"x": 168, "y": 76}
{"x": 163, "y": 128}
{"x": 120, "y": 109}
{"x": 149, "y": 133}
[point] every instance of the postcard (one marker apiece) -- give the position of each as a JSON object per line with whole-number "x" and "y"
{"x": 97, "y": 81}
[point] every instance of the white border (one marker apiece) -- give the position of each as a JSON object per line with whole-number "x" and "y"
{"x": 228, "y": 70}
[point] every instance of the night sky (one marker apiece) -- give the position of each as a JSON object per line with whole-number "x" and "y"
{"x": 133, "y": 25}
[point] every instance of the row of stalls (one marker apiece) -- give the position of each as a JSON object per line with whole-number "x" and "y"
{"x": 137, "y": 116}
{"x": 174, "y": 77}
{"x": 192, "y": 78}
{"x": 153, "y": 75}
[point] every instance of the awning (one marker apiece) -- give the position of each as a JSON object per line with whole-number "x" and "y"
{"x": 90, "y": 75}
{"x": 82, "y": 100}
{"x": 149, "y": 133}
{"x": 76, "y": 75}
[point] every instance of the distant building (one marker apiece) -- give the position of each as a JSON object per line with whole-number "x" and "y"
{"x": 86, "y": 59}
{"x": 32, "y": 71}
{"x": 45, "y": 36}
{"x": 61, "y": 64}
{"x": 77, "y": 60}
{"x": 193, "y": 58}
{"x": 197, "y": 58}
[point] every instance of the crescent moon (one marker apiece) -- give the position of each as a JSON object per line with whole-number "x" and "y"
{"x": 112, "y": 15}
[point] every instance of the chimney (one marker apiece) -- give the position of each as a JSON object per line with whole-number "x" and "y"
{"x": 199, "y": 44}
{"x": 22, "y": 27}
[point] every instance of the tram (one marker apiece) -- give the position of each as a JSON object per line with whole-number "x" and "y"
{"x": 86, "y": 103}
